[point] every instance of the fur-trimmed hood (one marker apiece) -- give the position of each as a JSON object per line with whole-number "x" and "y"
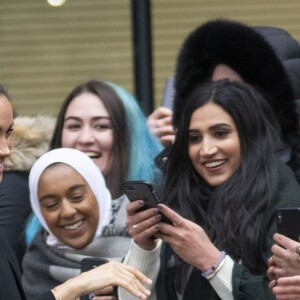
{"x": 30, "y": 140}
{"x": 243, "y": 49}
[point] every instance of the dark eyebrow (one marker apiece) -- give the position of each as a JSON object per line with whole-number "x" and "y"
{"x": 70, "y": 190}
{"x": 94, "y": 118}
{"x": 213, "y": 127}
{"x": 219, "y": 125}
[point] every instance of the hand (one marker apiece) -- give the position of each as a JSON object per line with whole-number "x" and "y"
{"x": 112, "y": 273}
{"x": 188, "y": 240}
{"x": 142, "y": 225}
{"x": 287, "y": 288}
{"x": 286, "y": 261}
{"x": 160, "y": 124}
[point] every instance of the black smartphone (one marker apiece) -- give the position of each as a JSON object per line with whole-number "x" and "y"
{"x": 90, "y": 263}
{"x": 142, "y": 190}
{"x": 169, "y": 92}
{"x": 288, "y": 222}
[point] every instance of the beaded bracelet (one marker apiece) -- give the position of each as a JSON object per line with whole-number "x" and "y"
{"x": 207, "y": 274}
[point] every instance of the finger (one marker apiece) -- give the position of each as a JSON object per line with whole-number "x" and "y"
{"x": 174, "y": 217}
{"x": 147, "y": 234}
{"x": 160, "y": 112}
{"x": 141, "y": 217}
{"x": 133, "y": 206}
{"x": 105, "y": 291}
{"x": 141, "y": 227}
{"x": 284, "y": 241}
{"x": 128, "y": 278}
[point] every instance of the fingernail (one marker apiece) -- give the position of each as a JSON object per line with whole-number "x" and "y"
{"x": 155, "y": 211}
{"x": 158, "y": 217}
{"x": 141, "y": 202}
{"x": 159, "y": 206}
{"x": 147, "y": 292}
{"x": 156, "y": 227}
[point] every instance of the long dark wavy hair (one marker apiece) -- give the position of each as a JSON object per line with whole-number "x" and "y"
{"x": 120, "y": 164}
{"x": 233, "y": 214}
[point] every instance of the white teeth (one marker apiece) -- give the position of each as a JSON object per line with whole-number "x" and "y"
{"x": 214, "y": 163}
{"x": 73, "y": 226}
{"x": 92, "y": 154}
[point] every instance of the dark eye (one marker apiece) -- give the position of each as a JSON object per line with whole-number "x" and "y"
{"x": 73, "y": 126}
{"x": 50, "y": 205}
{"x": 106, "y": 125}
{"x": 9, "y": 132}
{"x": 195, "y": 138}
{"x": 221, "y": 133}
{"x": 77, "y": 197}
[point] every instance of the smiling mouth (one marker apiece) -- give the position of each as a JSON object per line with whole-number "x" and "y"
{"x": 214, "y": 164}
{"x": 93, "y": 154}
{"x": 73, "y": 226}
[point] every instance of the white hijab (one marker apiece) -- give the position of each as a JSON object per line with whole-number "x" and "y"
{"x": 87, "y": 169}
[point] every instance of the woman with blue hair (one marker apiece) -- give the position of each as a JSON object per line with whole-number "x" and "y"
{"x": 105, "y": 121}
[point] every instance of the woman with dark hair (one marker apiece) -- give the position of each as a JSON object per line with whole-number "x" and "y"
{"x": 223, "y": 185}
{"x": 267, "y": 58}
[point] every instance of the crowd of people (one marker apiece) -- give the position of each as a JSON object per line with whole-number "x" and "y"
{"x": 223, "y": 160}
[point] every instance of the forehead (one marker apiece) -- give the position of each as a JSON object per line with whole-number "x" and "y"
{"x": 210, "y": 114}
{"x": 86, "y": 104}
{"x": 61, "y": 172}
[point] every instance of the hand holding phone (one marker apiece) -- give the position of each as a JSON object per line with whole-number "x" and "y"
{"x": 143, "y": 190}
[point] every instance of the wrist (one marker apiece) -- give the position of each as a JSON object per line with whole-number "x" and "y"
{"x": 213, "y": 269}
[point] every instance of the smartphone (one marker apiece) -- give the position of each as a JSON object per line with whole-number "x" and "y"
{"x": 142, "y": 190}
{"x": 169, "y": 92}
{"x": 90, "y": 263}
{"x": 288, "y": 222}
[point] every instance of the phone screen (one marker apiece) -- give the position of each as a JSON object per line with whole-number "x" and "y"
{"x": 288, "y": 222}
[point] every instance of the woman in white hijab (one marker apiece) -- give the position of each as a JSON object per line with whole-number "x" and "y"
{"x": 69, "y": 196}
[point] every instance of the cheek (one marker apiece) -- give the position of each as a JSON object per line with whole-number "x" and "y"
{"x": 67, "y": 139}
{"x": 106, "y": 140}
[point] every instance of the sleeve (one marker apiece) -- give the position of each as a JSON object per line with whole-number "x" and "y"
{"x": 222, "y": 282}
{"x": 148, "y": 262}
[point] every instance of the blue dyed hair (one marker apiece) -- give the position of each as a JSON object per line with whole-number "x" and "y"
{"x": 144, "y": 146}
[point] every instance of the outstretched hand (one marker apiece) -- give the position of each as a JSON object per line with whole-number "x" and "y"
{"x": 112, "y": 273}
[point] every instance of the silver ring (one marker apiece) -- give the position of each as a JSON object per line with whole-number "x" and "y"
{"x": 178, "y": 223}
{"x": 297, "y": 250}
{"x": 135, "y": 226}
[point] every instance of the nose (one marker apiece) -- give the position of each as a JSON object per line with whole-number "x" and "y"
{"x": 86, "y": 136}
{"x": 5, "y": 147}
{"x": 67, "y": 210}
{"x": 208, "y": 147}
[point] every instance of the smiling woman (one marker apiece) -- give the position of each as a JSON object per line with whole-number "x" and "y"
{"x": 223, "y": 185}
{"x": 69, "y": 196}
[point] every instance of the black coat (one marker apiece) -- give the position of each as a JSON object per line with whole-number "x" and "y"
{"x": 10, "y": 276}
